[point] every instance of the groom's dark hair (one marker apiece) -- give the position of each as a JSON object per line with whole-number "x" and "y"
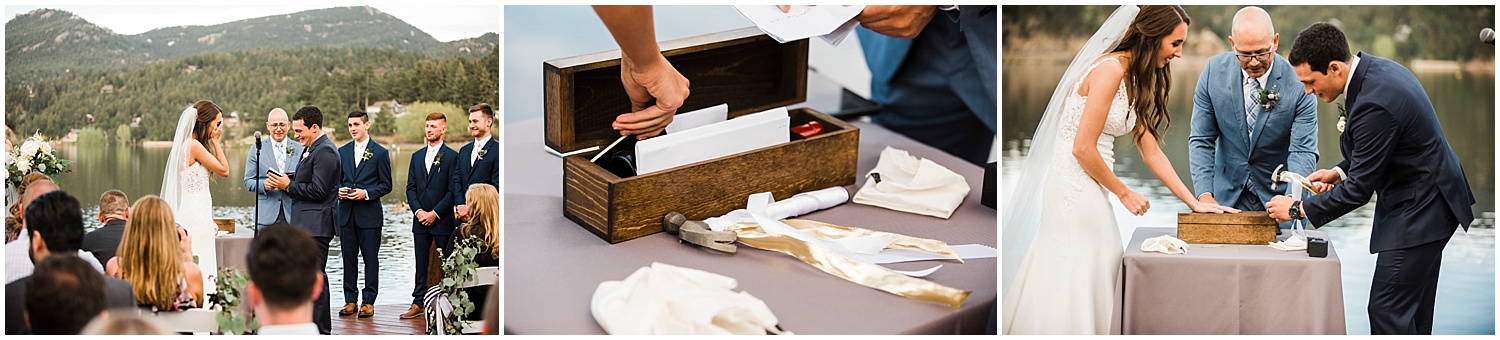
{"x": 309, "y": 115}
{"x": 1318, "y": 45}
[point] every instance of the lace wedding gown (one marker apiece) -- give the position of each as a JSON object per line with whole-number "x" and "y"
{"x": 196, "y": 214}
{"x": 1066, "y": 282}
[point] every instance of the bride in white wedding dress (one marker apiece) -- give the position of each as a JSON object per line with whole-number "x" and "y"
{"x": 196, "y": 152}
{"x": 1061, "y": 240}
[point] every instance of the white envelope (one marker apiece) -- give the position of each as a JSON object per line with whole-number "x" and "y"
{"x": 684, "y": 121}
{"x": 749, "y": 132}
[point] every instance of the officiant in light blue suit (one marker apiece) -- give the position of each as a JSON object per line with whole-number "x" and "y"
{"x": 280, "y": 153}
{"x": 1250, "y": 116}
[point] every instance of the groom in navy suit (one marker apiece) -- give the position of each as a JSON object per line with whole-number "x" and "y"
{"x": 1236, "y": 141}
{"x": 315, "y": 196}
{"x": 479, "y": 161}
{"x": 1392, "y": 146}
{"x": 367, "y": 177}
{"x": 427, "y": 186}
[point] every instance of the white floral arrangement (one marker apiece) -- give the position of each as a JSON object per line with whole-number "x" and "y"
{"x": 33, "y": 155}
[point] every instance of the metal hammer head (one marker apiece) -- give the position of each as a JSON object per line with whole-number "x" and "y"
{"x": 697, "y": 232}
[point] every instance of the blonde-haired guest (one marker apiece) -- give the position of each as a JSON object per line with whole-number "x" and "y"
{"x": 484, "y": 224}
{"x": 153, "y": 257}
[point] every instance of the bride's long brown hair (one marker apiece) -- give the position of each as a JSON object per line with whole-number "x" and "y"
{"x": 1145, "y": 84}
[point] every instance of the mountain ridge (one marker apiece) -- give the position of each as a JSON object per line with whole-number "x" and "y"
{"x": 49, "y": 42}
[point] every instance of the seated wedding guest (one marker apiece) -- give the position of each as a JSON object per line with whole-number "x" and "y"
{"x": 123, "y": 322}
{"x": 151, "y": 258}
{"x": 284, "y": 280}
{"x": 63, "y": 280}
{"x": 114, "y": 208}
{"x": 13, "y": 219}
{"x": 484, "y": 224}
{"x": 57, "y": 230}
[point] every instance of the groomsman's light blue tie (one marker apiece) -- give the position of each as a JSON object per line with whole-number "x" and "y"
{"x": 1252, "y": 104}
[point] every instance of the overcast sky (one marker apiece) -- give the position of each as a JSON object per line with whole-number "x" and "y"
{"x": 443, "y": 22}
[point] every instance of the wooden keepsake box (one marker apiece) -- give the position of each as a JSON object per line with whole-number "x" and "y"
{"x": 744, "y": 68}
{"x": 1249, "y": 227}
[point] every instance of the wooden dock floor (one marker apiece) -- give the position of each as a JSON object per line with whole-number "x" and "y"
{"x": 387, "y": 320}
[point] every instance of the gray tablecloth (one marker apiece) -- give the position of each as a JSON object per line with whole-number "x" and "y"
{"x": 552, "y": 266}
{"x": 1229, "y": 289}
{"x": 231, "y": 249}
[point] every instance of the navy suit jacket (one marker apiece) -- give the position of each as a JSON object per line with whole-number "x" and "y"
{"x": 1393, "y": 146}
{"x": 315, "y": 189}
{"x": 256, "y": 163}
{"x": 486, "y": 170}
{"x": 885, "y": 56}
{"x": 373, "y": 175}
{"x": 429, "y": 190}
{"x": 1224, "y": 156}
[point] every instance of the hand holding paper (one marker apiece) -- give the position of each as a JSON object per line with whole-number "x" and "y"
{"x": 789, "y": 23}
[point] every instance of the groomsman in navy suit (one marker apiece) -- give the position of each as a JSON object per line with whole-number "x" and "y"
{"x": 479, "y": 161}
{"x": 367, "y": 177}
{"x": 280, "y": 153}
{"x": 427, "y": 187}
{"x": 1393, "y": 146}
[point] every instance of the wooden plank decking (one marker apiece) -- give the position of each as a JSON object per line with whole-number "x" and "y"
{"x": 387, "y": 320}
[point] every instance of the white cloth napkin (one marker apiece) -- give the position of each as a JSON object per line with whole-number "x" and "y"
{"x": 907, "y": 183}
{"x": 666, "y": 299}
{"x": 1165, "y": 244}
{"x": 1294, "y": 243}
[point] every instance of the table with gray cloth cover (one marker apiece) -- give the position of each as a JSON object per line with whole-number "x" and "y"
{"x": 553, "y": 266}
{"x": 231, "y": 249}
{"x": 1229, "y": 289}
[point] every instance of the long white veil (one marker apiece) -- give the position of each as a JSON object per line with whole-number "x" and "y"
{"x": 171, "y": 185}
{"x": 1023, "y": 209}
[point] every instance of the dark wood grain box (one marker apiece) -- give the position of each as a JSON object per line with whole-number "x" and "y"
{"x": 1249, "y": 227}
{"x": 744, "y": 68}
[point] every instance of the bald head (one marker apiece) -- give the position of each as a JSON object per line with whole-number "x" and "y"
{"x": 34, "y": 190}
{"x": 1253, "y": 35}
{"x": 1252, "y": 22}
{"x": 278, "y": 124}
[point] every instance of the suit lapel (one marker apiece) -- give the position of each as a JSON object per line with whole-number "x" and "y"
{"x": 1237, "y": 93}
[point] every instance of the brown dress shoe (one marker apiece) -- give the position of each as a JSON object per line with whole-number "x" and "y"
{"x": 414, "y": 312}
{"x": 348, "y": 309}
{"x": 366, "y": 310}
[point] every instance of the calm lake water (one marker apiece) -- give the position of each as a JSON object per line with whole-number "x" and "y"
{"x": 1465, "y": 104}
{"x": 137, "y": 170}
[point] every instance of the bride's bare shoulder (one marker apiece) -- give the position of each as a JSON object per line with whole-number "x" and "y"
{"x": 1108, "y": 70}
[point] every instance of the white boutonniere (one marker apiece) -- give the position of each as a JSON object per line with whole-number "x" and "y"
{"x": 1269, "y": 98}
{"x": 306, "y": 153}
{"x": 368, "y": 153}
{"x": 1343, "y": 116}
{"x": 289, "y": 150}
{"x": 437, "y": 162}
{"x": 483, "y": 152}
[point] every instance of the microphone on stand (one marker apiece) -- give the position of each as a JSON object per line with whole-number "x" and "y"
{"x": 256, "y": 222}
{"x": 1487, "y": 35}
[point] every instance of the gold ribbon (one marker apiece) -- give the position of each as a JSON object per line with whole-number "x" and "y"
{"x": 866, "y": 274}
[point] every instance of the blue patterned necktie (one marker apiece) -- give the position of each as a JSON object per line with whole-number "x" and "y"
{"x": 1252, "y": 105}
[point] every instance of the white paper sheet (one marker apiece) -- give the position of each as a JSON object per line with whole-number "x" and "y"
{"x": 832, "y": 23}
{"x": 749, "y": 132}
{"x": 684, "y": 121}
